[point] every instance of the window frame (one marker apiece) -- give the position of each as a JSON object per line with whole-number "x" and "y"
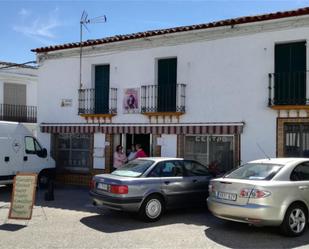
{"x": 35, "y": 143}
{"x": 196, "y": 162}
{"x": 167, "y": 161}
{"x": 70, "y": 150}
{"x": 306, "y": 164}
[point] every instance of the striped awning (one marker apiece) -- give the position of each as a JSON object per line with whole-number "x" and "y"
{"x": 205, "y": 128}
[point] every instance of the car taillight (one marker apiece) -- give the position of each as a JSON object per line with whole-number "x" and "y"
{"x": 119, "y": 189}
{"x": 253, "y": 193}
{"x": 256, "y": 193}
{"x": 92, "y": 184}
{"x": 245, "y": 193}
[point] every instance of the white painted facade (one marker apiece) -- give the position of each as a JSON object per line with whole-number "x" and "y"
{"x": 22, "y": 75}
{"x": 225, "y": 70}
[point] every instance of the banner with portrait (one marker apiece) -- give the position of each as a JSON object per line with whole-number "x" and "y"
{"x": 131, "y": 100}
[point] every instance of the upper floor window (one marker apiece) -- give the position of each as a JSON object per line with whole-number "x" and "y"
{"x": 167, "y": 81}
{"x": 101, "y": 83}
{"x": 290, "y": 74}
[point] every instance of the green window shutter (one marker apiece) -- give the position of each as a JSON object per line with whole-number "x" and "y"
{"x": 102, "y": 75}
{"x": 167, "y": 83}
{"x": 290, "y": 73}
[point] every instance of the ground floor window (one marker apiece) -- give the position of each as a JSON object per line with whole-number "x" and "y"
{"x": 296, "y": 142}
{"x": 73, "y": 151}
{"x": 215, "y": 151}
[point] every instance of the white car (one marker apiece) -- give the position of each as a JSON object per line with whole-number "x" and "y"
{"x": 271, "y": 192}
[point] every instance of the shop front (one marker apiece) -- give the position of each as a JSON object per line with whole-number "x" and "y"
{"x": 81, "y": 151}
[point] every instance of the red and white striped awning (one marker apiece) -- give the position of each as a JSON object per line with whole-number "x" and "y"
{"x": 201, "y": 128}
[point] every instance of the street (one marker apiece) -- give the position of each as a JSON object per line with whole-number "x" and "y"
{"x": 71, "y": 221}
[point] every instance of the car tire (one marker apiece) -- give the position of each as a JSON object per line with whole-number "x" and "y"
{"x": 295, "y": 220}
{"x": 152, "y": 208}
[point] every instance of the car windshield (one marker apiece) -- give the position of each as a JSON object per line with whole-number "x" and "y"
{"x": 255, "y": 171}
{"x": 133, "y": 168}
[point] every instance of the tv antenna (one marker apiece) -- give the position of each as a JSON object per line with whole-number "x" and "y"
{"x": 84, "y": 21}
{"x": 262, "y": 151}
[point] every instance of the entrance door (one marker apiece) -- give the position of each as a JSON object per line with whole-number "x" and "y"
{"x": 142, "y": 139}
{"x": 101, "y": 105}
{"x": 290, "y": 73}
{"x": 167, "y": 80}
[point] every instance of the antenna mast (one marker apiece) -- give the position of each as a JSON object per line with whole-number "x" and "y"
{"x": 84, "y": 20}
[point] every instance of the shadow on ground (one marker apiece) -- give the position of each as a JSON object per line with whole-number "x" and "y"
{"x": 11, "y": 227}
{"x": 65, "y": 197}
{"x": 240, "y": 235}
{"x": 113, "y": 221}
{"x": 224, "y": 233}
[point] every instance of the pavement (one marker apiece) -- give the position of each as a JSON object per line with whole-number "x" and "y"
{"x": 71, "y": 221}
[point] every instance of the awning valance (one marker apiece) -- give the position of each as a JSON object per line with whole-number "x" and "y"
{"x": 201, "y": 128}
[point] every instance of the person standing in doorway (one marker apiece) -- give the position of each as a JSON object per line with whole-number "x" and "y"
{"x": 119, "y": 157}
{"x": 139, "y": 151}
{"x": 132, "y": 153}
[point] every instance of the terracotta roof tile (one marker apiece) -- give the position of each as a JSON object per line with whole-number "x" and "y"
{"x": 139, "y": 35}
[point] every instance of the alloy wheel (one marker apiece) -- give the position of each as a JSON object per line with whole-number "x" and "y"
{"x": 297, "y": 220}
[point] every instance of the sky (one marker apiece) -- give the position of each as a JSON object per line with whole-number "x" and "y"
{"x": 26, "y": 24}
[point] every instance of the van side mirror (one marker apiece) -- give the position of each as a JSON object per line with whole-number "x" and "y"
{"x": 42, "y": 153}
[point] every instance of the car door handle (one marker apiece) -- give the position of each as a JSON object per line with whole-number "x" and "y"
{"x": 25, "y": 158}
{"x": 166, "y": 182}
{"x": 303, "y": 187}
{"x": 194, "y": 180}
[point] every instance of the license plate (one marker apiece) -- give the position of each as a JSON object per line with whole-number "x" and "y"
{"x": 102, "y": 186}
{"x": 227, "y": 196}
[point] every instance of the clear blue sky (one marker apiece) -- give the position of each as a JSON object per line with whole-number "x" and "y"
{"x": 31, "y": 24}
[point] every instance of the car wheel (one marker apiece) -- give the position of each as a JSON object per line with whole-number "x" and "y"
{"x": 152, "y": 208}
{"x": 295, "y": 220}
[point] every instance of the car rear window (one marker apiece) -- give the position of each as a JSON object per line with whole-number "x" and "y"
{"x": 133, "y": 168}
{"x": 255, "y": 171}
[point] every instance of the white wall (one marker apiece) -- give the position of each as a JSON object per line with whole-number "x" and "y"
{"x": 169, "y": 145}
{"x": 98, "y": 154}
{"x": 226, "y": 79}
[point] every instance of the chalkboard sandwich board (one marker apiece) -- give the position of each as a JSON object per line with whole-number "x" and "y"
{"x": 23, "y": 196}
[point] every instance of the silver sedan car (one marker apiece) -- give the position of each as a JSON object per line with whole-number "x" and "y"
{"x": 271, "y": 192}
{"x": 151, "y": 185}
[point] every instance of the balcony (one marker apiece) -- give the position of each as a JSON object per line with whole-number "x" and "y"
{"x": 93, "y": 105}
{"x": 288, "y": 90}
{"x": 168, "y": 100}
{"x": 18, "y": 113}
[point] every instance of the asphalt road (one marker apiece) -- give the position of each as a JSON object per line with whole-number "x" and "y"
{"x": 70, "y": 221}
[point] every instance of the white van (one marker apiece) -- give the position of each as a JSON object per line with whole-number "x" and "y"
{"x": 21, "y": 152}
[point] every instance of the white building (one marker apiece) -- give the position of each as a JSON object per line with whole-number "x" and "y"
{"x": 18, "y": 93}
{"x": 203, "y": 91}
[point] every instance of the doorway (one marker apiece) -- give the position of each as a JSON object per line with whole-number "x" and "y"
{"x": 142, "y": 139}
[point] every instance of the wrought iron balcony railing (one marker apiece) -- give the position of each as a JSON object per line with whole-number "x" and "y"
{"x": 287, "y": 88}
{"x": 92, "y": 102}
{"x": 18, "y": 113}
{"x": 168, "y": 98}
